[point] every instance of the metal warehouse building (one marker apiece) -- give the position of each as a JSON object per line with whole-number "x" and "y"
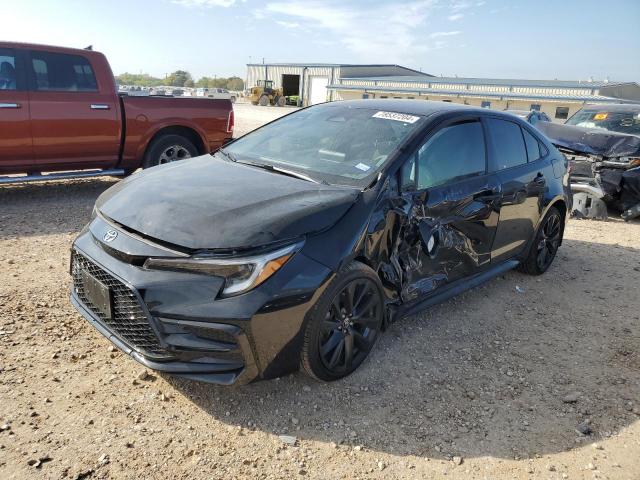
{"x": 311, "y": 81}
{"x": 316, "y": 83}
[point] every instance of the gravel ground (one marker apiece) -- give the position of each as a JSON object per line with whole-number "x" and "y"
{"x": 539, "y": 381}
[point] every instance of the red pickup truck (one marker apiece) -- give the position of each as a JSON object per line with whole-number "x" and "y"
{"x": 60, "y": 111}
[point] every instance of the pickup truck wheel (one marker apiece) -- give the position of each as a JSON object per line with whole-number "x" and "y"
{"x": 167, "y": 149}
{"x": 233, "y": 99}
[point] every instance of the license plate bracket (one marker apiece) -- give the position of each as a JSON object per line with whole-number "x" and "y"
{"x": 98, "y": 294}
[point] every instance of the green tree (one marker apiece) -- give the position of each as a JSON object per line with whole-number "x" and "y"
{"x": 189, "y": 83}
{"x": 235, "y": 83}
{"x": 178, "y": 78}
{"x": 203, "y": 82}
{"x": 140, "y": 80}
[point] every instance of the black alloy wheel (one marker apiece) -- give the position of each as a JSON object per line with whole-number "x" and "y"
{"x": 345, "y": 324}
{"x": 548, "y": 240}
{"x": 350, "y": 326}
{"x": 545, "y": 245}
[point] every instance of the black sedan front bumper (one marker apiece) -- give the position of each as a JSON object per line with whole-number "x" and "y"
{"x": 176, "y": 323}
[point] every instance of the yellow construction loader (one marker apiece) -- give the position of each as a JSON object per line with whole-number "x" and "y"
{"x": 264, "y": 94}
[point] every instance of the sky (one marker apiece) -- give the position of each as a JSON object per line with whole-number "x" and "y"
{"x": 541, "y": 39}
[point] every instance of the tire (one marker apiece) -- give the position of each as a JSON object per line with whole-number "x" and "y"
{"x": 233, "y": 99}
{"x": 168, "y": 148}
{"x": 333, "y": 327}
{"x": 281, "y": 102}
{"x": 263, "y": 101}
{"x": 544, "y": 247}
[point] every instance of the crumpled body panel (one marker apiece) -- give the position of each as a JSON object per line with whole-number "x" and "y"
{"x": 591, "y": 141}
{"x": 428, "y": 240}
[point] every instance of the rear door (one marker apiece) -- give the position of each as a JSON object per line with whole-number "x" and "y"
{"x": 521, "y": 175}
{"x": 74, "y": 118}
{"x": 454, "y": 210}
{"x": 16, "y": 150}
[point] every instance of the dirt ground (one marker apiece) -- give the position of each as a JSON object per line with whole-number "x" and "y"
{"x": 538, "y": 381}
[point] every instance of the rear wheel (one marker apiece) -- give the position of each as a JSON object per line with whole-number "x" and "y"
{"x": 167, "y": 149}
{"x": 545, "y": 244}
{"x": 344, "y": 324}
{"x": 281, "y": 102}
{"x": 263, "y": 101}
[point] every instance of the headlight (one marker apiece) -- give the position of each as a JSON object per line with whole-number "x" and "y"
{"x": 240, "y": 274}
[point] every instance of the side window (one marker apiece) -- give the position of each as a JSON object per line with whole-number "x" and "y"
{"x": 61, "y": 72}
{"x": 508, "y": 144}
{"x": 7, "y": 70}
{"x": 562, "y": 112}
{"x": 533, "y": 146}
{"x": 452, "y": 153}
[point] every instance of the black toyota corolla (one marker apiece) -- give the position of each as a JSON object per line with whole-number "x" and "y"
{"x": 297, "y": 244}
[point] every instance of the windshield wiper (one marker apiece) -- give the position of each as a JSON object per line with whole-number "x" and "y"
{"x": 282, "y": 171}
{"x": 229, "y": 155}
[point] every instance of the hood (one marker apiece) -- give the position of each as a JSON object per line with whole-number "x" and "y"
{"x": 591, "y": 141}
{"x": 210, "y": 203}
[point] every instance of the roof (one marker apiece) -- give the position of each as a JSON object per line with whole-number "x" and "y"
{"x": 463, "y": 92}
{"x": 48, "y": 48}
{"x": 411, "y": 107}
{"x": 614, "y": 107}
{"x": 380, "y": 65}
{"x": 498, "y": 81}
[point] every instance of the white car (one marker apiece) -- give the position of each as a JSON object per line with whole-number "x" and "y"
{"x": 216, "y": 93}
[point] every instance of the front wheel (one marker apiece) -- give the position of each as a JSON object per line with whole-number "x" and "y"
{"x": 545, "y": 244}
{"x": 167, "y": 149}
{"x": 263, "y": 101}
{"x": 344, "y": 324}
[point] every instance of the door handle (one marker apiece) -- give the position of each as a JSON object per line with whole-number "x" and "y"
{"x": 99, "y": 106}
{"x": 540, "y": 180}
{"x": 9, "y": 105}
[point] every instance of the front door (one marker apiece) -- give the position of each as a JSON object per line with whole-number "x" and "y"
{"x": 16, "y": 151}
{"x": 74, "y": 119}
{"x": 453, "y": 209}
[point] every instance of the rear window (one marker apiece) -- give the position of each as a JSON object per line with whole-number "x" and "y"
{"x": 62, "y": 72}
{"x": 508, "y": 144}
{"x": 622, "y": 122}
{"x": 7, "y": 70}
{"x": 533, "y": 146}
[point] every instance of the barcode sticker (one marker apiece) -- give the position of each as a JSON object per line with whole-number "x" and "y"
{"x": 398, "y": 117}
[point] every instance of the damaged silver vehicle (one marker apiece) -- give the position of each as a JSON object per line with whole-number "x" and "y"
{"x": 296, "y": 245}
{"x": 602, "y": 143}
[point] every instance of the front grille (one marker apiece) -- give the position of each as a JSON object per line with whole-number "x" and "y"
{"x": 128, "y": 320}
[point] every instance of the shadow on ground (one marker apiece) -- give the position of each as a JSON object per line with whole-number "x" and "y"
{"x": 482, "y": 374}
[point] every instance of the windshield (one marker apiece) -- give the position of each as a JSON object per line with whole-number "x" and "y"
{"x": 332, "y": 143}
{"x": 622, "y": 122}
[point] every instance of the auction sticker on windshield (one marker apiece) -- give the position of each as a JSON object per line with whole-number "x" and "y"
{"x": 398, "y": 117}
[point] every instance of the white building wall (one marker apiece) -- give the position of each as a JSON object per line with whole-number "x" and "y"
{"x": 547, "y": 106}
{"x": 275, "y": 73}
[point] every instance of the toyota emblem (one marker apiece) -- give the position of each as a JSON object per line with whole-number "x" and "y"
{"x": 110, "y": 236}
